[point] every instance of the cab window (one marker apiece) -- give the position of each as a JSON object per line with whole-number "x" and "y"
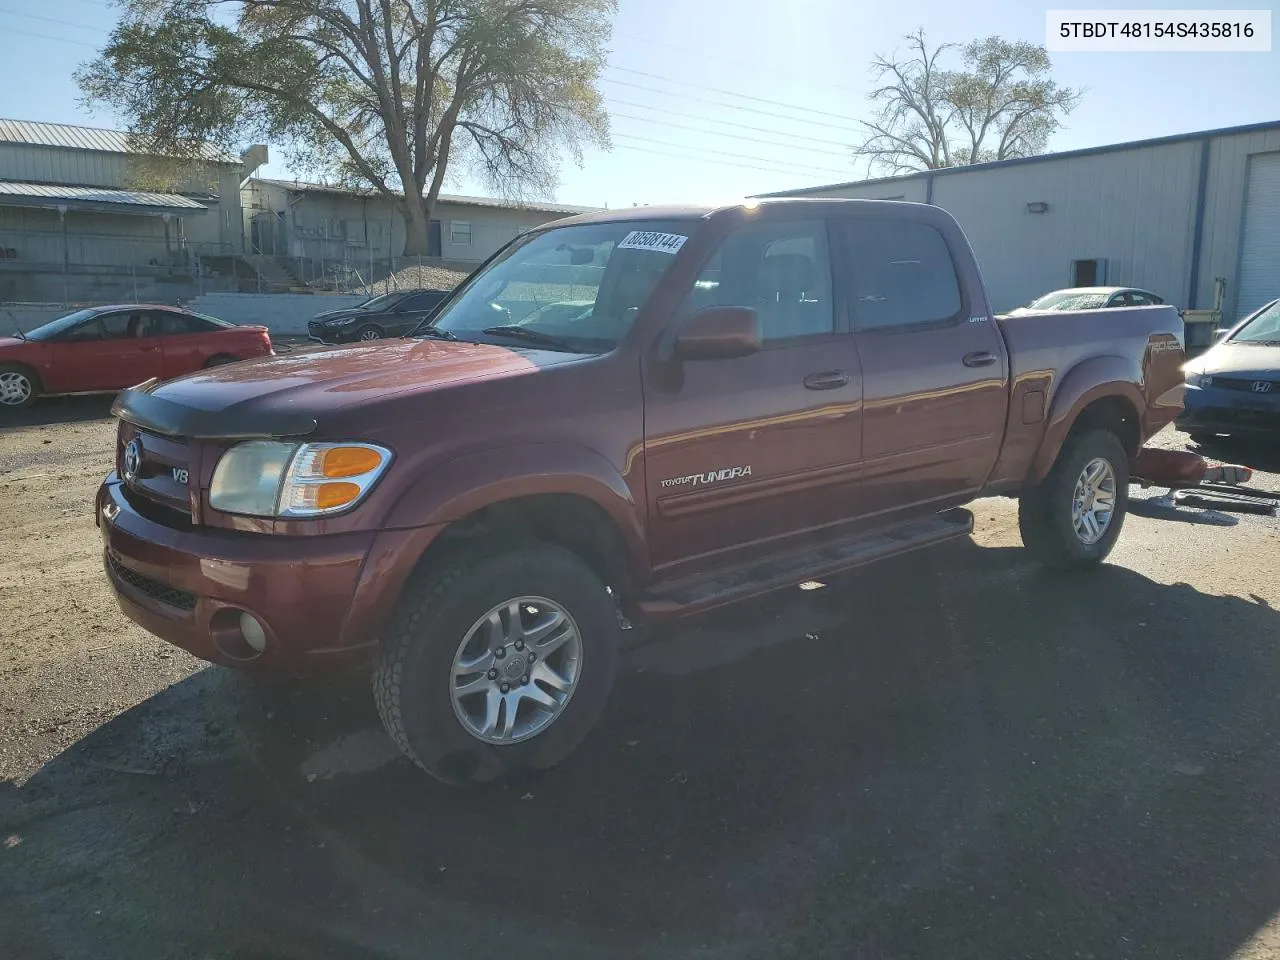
{"x": 780, "y": 268}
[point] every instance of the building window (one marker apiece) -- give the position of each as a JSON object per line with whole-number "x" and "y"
{"x": 460, "y": 233}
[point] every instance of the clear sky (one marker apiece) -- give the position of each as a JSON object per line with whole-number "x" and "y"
{"x": 712, "y": 100}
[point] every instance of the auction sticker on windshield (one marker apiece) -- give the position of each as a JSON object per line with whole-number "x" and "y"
{"x": 645, "y": 240}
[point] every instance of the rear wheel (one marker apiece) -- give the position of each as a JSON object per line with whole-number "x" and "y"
{"x": 497, "y": 663}
{"x": 369, "y": 333}
{"x": 1073, "y": 518}
{"x": 19, "y": 386}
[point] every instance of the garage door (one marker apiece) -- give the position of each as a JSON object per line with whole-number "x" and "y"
{"x": 1260, "y": 258}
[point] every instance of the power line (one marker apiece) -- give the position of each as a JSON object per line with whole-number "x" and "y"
{"x": 721, "y": 163}
{"x": 726, "y": 153}
{"x": 727, "y": 123}
{"x": 46, "y": 36}
{"x": 734, "y": 136}
{"x": 729, "y": 106}
{"x": 61, "y": 23}
{"x": 739, "y": 63}
{"x": 731, "y": 93}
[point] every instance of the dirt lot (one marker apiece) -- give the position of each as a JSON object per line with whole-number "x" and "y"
{"x": 951, "y": 755}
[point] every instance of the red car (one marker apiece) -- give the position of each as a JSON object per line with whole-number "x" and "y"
{"x": 104, "y": 349}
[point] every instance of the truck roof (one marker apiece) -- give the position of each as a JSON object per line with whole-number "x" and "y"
{"x": 698, "y": 212}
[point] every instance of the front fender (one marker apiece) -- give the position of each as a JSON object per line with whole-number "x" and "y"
{"x": 1089, "y": 380}
{"x": 459, "y": 487}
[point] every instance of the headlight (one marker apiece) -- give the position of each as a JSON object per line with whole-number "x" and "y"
{"x": 271, "y": 478}
{"x": 342, "y": 322}
{"x": 1199, "y": 380}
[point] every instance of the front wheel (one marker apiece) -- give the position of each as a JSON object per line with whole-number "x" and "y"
{"x": 19, "y": 387}
{"x": 369, "y": 333}
{"x": 497, "y": 663}
{"x": 1073, "y": 518}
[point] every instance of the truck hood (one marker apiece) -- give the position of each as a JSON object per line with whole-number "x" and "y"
{"x": 290, "y": 394}
{"x": 1246, "y": 361}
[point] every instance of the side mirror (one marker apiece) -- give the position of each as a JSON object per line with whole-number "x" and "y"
{"x": 719, "y": 333}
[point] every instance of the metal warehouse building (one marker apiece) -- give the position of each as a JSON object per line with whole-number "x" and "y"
{"x": 68, "y": 195}
{"x": 1172, "y": 215}
{"x": 326, "y": 224}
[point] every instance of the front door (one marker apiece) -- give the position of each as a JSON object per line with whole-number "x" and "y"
{"x": 748, "y": 453}
{"x": 934, "y": 366}
{"x": 106, "y": 353}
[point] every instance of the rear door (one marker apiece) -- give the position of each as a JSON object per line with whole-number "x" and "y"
{"x": 188, "y": 342}
{"x": 105, "y": 353}
{"x": 744, "y": 452}
{"x": 934, "y": 365}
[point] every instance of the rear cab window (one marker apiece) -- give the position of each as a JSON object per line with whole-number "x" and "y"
{"x": 901, "y": 273}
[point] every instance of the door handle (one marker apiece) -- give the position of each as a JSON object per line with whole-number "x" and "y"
{"x": 979, "y": 358}
{"x": 827, "y": 380}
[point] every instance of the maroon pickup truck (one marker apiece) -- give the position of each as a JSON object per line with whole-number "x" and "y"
{"x": 641, "y": 414}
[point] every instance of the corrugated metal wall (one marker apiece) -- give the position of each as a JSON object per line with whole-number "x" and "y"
{"x": 1224, "y": 210}
{"x": 1134, "y": 208}
{"x": 222, "y": 225}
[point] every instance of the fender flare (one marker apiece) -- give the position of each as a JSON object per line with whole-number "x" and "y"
{"x": 1094, "y": 379}
{"x": 457, "y": 488}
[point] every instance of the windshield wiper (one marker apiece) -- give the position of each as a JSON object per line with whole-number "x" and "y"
{"x": 529, "y": 335}
{"x": 434, "y": 333}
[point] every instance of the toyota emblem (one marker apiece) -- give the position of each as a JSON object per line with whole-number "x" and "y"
{"x": 132, "y": 460}
{"x": 1261, "y": 386}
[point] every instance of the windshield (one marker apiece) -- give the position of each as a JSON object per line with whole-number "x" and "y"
{"x": 574, "y": 288}
{"x": 1263, "y": 328}
{"x": 1066, "y": 300}
{"x": 53, "y": 328}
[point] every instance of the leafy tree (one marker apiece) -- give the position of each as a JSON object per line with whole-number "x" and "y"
{"x": 387, "y": 94}
{"x": 1001, "y": 103}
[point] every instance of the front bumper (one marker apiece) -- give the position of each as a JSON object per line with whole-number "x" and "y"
{"x": 322, "y": 334}
{"x": 1215, "y": 410}
{"x": 321, "y": 600}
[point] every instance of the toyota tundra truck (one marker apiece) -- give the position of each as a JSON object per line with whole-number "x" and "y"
{"x": 627, "y": 416}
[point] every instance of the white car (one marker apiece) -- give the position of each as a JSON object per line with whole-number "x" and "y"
{"x": 1090, "y": 298}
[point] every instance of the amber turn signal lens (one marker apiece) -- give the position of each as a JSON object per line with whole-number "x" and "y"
{"x": 330, "y": 495}
{"x": 349, "y": 462}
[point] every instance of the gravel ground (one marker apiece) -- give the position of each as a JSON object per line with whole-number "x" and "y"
{"x": 950, "y": 755}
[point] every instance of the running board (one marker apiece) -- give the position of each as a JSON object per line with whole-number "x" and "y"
{"x": 707, "y": 591}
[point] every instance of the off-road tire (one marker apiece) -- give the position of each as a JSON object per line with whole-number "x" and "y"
{"x": 32, "y": 377}
{"x": 1044, "y": 511}
{"x": 439, "y": 604}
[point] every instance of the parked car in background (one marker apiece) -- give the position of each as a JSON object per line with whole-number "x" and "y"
{"x": 1234, "y": 386}
{"x": 1090, "y": 298}
{"x": 388, "y": 315}
{"x": 104, "y": 349}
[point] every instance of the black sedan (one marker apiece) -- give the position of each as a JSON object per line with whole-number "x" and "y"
{"x": 388, "y": 315}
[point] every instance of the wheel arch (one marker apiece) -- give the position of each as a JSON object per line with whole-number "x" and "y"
{"x": 557, "y": 493}
{"x": 1100, "y": 393}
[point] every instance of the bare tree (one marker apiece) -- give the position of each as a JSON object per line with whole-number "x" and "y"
{"x": 384, "y": 94}
{"x": 1001, "y": 103}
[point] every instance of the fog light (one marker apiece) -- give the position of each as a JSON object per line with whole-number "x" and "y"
{"x": 253, "y": 633}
